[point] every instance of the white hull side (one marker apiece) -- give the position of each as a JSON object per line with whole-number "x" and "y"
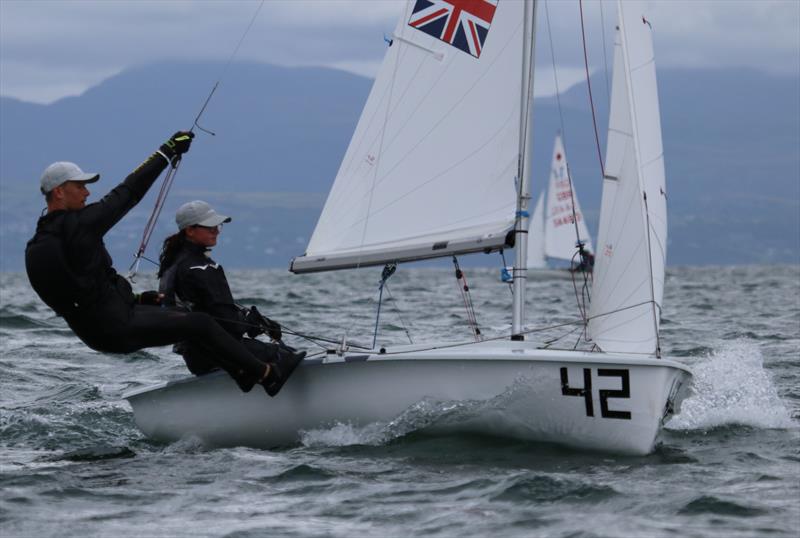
{"x": 522, "y": 388}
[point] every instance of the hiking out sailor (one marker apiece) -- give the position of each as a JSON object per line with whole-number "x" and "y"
{"x": 190, "y": 278}
{"x": 70, "y": 269}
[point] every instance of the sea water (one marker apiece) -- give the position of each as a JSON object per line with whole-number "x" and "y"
{"x": 74, "y": 464}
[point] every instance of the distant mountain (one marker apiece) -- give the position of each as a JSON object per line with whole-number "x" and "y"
{"x": 731, "y": 140}
{"x": 278, "y": 129}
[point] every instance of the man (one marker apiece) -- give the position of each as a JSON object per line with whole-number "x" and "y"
{"x": 70, "y": 269}
{"x": 190, "y": 277}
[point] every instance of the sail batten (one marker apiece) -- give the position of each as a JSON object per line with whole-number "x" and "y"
{"x": 434, "y": 156}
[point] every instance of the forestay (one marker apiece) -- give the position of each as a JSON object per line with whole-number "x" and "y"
{"x": 632, "y": 238}
{"x": 430, "y": 170}
{"x": 560, "y": 238}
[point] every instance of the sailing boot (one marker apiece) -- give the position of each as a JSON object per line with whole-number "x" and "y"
{"x": 280, "y": 371}
{"x": 244, "y": 381}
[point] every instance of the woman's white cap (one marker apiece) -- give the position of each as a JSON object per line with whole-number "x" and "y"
{"x": 198, "y": 213}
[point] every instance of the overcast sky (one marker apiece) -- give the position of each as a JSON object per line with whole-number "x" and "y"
{"x": 51, "y": 49}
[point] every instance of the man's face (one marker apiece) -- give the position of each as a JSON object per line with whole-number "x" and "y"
{"x": 72, "y": 195}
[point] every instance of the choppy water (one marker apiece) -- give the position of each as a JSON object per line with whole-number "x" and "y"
{"x": 74, "y": 464}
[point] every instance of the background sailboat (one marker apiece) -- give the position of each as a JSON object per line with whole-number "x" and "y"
{"x": 437, "y": 166}
{"x": 552, "y": 231}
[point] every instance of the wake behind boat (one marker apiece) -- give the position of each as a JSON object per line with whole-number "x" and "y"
{"x": 437, "y": 167}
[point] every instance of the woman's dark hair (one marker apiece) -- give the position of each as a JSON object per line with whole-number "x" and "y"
{"x": 169, "y": 251}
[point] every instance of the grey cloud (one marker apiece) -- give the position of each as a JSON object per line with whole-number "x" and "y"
{"x": 40, "y": 40}
{"x": 49, "y": 49}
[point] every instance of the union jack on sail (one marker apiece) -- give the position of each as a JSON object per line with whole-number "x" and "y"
{"x": 461, "y": 23}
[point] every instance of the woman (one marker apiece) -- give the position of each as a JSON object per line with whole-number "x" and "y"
{"x": 191, "y": 279}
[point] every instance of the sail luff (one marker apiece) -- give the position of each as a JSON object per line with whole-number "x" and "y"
{"x": 640, "y": 175}
{"x": 520, "y": 273}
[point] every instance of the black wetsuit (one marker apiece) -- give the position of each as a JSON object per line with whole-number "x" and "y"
{"x": 199, "y": 283}
{"x": 71, "y": 270}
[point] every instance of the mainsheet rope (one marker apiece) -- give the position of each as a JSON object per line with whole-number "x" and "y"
{"x": 399, "y": 315}
{"x": 388, "y": 271}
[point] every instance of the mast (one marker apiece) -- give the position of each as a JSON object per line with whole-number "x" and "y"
{"x": 524, "y": 184}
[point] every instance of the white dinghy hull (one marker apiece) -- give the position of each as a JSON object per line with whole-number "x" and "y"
{"x": 511, "y": 389}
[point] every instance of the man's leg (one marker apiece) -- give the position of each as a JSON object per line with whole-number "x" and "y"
{"x": 262, "y": 350}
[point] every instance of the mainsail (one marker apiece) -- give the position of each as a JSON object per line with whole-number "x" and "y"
{"x": 632, "y": 239}
{"x": 431, "y": 168}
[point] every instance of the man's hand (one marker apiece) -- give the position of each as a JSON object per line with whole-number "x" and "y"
{"x": 177, "y": 145}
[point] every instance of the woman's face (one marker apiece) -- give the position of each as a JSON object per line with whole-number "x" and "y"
{"x": 205, "y": 236}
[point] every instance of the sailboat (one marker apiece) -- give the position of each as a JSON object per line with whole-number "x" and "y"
{"x": 552, "y": 234}
{"x": 437, "y": 166}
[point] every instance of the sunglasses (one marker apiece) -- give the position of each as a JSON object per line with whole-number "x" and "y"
{"x": 209, "y": 228}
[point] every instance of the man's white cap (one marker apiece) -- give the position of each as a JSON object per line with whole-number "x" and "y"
{"x": 61, "y": 172}
{"x": 198, "y": 213}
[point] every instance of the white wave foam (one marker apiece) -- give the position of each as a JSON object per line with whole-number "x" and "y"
{"x": 190, "y": 444}
{"x": 340, "y": 434}
{"x": 415, "y": 418}
{"x": 732, "y": 387}
{"x": 501, "y": 415}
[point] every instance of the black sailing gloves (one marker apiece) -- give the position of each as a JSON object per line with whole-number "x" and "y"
{"x": 259, "y": 324}
{"x": 273, "y": 329}
{"x": 176, "y": 146}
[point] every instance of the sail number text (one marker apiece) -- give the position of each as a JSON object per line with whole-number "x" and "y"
{"x": 603, "y": 394}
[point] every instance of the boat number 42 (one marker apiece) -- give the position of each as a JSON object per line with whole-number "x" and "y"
{"x": 603, "y": 394}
